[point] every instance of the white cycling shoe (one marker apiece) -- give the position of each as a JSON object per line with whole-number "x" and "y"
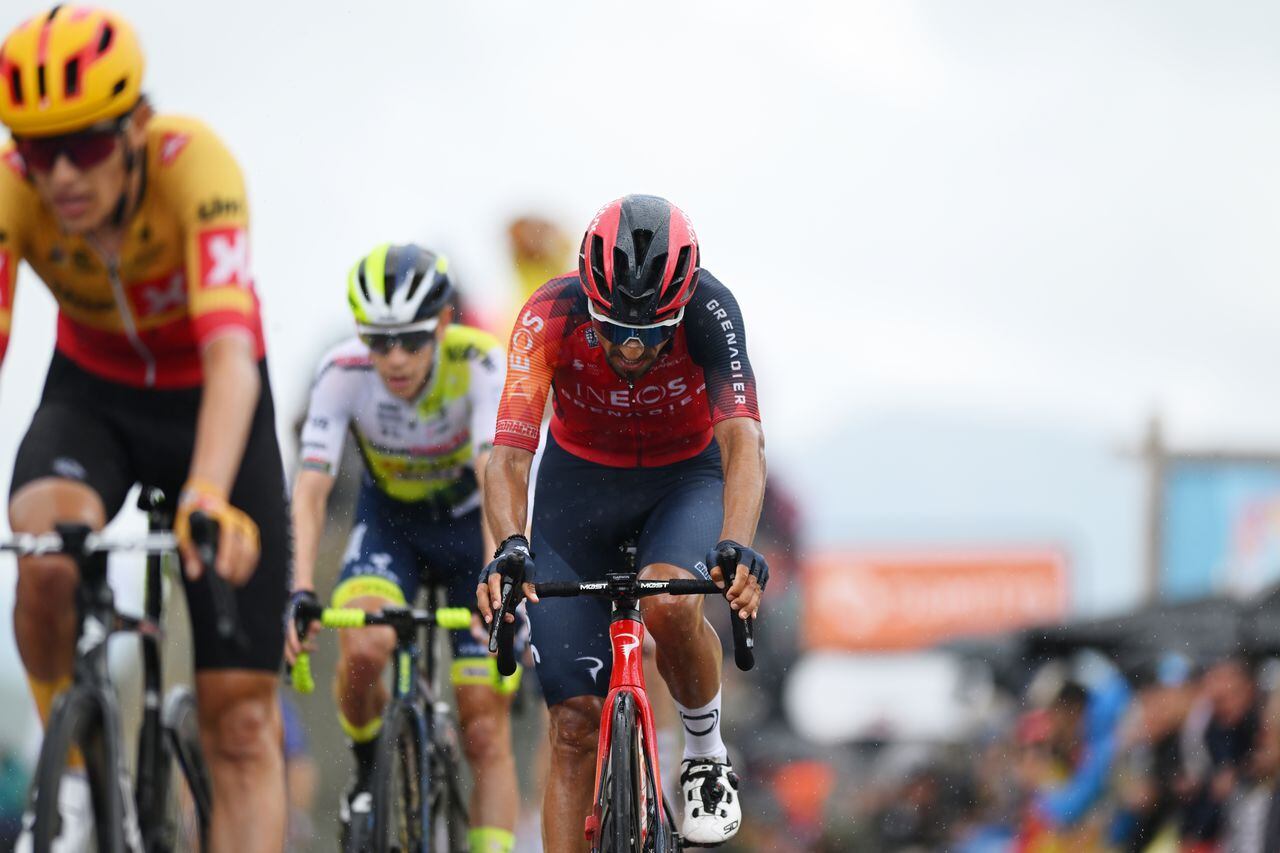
{"x": 76, "y": 811}
{"x": 75, "y": 807}
{"x": 712, "y": 813}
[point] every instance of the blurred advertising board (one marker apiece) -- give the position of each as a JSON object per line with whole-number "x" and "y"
{"x": 859, "y": 600}
{"x": 1219, "y": 526}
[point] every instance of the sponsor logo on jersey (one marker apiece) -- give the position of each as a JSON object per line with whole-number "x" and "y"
{"x": 216, "y": 207}
{"x": 159, "y": 295}
{"x": 171, "y": 145}
{"x": 224, "y": 257}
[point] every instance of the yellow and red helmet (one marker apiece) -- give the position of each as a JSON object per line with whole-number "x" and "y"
{"x": 67, "y": 69}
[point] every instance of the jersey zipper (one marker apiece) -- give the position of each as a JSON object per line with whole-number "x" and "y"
{"x": 635, "y": 421}
{"x": 130, "y": 327}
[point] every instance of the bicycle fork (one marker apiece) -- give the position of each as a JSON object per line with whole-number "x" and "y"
{"x": 626, "y": 636}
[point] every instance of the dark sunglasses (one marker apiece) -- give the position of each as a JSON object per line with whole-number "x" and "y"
{"x": 84, "y": 149}
{"x": 411, "y": 342}
{"x": 649, "y": 336}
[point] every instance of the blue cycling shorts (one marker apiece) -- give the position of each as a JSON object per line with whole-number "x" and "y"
{"x": 395, "y": 546}
{"x": 582, "y": 512}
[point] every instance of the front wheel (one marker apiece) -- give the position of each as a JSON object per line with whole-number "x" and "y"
{"x": 58, "y": 800}
{"x": 396, "y": 786}
{"x": 189, "y": 794}
{"x": 617, "y": 797}
{"x": 447, "y": 807}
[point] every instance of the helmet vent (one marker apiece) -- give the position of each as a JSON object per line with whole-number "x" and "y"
{"x": 364, "y": 285}
{"x": 15, "y": 86}
{"x": 40, "y": 87}
{"x": 53, "y": 12}
{"x": 72, "y": 76}
{"x": 597, "y": 265}
{"x": 119, "y": 86}
{"x": 108, "y": 32}
{"x": 682, "y": 269}
{"x": 641, "y": 238}
{"x": 413, "y": 285}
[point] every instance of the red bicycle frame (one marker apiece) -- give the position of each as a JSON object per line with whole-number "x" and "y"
{"x": 626, "y": 636}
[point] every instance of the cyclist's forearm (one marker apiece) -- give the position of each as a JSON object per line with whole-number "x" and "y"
{"x": 228, "y": 399}
{"x": 506, "y": 494}
{"x": 486, "y": 535}
{"x": 310, "y": 497}
{"x": 741, "y": 443}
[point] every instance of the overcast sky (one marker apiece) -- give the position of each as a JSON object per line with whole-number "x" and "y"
{"x": 1061, "y": 215}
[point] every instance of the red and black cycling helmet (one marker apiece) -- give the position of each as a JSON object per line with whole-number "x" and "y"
{"x": 639, "y": 261}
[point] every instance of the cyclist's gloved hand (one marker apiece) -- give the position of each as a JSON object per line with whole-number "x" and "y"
{"x": 238, "y": 543}
{"x": 514, "y": 560}
{"x": 294, "y": 644}
{"x": 749, "y": 579}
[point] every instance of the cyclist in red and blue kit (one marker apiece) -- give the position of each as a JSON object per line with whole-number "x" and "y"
{"x": 655, "y": 438}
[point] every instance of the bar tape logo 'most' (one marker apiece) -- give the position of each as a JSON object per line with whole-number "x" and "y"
{"x": 884, "y": 600}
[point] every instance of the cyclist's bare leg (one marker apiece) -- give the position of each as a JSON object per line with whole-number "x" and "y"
{"x": 363, "y": 654}
{"x": 575, "y": 726}
{"x": 485, "y": 715}
{"x": 241, "y": 732}
{"x": 44, "y": 613}
{"x": 688, "y": 650}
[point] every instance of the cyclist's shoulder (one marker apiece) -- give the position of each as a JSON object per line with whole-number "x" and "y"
{"x": 561, "y": 296}
{"x": 467, "y": 342}
{"x": 16, "y": 192}
{"x": 185, "y": 154}
{"x": 349, "y": 358}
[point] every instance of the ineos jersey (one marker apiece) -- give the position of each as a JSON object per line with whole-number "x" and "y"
{"x": 422, "y": 450}
{"x": 701, "y": 378}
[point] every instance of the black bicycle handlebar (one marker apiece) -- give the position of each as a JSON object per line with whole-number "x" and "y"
{"x": 502, "y": 634}
{"x": 204, "y": 535}
{"x": 744, "y": 640}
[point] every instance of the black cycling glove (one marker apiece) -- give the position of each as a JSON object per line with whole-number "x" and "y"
{"x": 753, "y": 560}
{"x": 510, "y": 552}
{"x": 298, "y": 598}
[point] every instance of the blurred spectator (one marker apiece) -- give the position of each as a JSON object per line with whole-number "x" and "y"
{"x": 540, "y": 251}
{"x": 1082, "y": 736}
{"x": 13, "y": 792}
{"x": 1154, "y": 780}
{"x": 1230, "y": 736}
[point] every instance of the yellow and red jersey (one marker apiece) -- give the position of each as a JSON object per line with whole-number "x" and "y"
{"x": 182, "y": 276}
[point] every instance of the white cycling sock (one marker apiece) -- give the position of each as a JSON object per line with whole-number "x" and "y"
{"x": 702, "y": 730}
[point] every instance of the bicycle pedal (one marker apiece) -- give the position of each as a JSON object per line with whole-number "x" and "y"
{"x": 592, "y": 828}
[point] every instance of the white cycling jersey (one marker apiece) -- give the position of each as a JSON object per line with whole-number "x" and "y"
{"x": 422, "y": 450}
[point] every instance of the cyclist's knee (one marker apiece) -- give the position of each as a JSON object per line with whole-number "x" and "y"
{"x": 41, "y": 504}
{"x": 486, "y": 735}
{"x": 46, "y": 585}
{"x": 363, "y": 654}
{"x": 239, "y": 717}
{"x": 671, "y": 615}
{"x": 575, "y": 726}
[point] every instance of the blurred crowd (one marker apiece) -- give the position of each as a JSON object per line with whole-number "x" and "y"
{"x": 1171, "y": 756}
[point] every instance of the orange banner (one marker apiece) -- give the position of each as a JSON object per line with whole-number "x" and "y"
{"x": 859, "y": 600}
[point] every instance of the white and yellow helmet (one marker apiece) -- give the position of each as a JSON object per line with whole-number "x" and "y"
{"x": 399, "y": 286}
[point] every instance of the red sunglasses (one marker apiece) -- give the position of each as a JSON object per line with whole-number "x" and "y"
{"x": 85, "y": 149}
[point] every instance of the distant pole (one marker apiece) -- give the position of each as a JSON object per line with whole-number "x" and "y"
{"x": 1155, "y": 457}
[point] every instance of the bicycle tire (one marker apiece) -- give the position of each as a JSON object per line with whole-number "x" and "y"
{"x": 189, "y": 792}
{"x": 659, "y": 834}
{"x": 619, "y": 825}
{"x": 397, "y": 783}
{"x": 448, "y": 809}
{"x": 78, "y": 720}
